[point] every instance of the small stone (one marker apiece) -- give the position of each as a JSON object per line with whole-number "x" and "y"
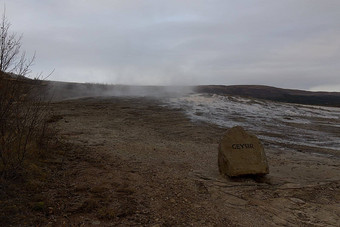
{"x": 297, "y": 200}
{"x": 241, "y": 153}
{"x": 50, "y": 210}
{"x": 96, "y": 223}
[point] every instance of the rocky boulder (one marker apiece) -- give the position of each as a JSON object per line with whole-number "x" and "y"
{"x": 241, "y": 153}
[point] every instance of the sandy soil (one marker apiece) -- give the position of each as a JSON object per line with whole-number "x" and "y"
{"x": 129, "y": 161}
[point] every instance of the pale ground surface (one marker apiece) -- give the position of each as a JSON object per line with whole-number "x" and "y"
{"x": 133, "y": 162}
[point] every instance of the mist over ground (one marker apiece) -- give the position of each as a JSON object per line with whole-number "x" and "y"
{"x": 63, "y": 90}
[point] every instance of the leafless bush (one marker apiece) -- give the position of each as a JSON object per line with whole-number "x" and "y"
{"x": 23, "y": 109}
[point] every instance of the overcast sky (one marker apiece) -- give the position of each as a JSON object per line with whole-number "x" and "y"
{"x": 287, "y": 43}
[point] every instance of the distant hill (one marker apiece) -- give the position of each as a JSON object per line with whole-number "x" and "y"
{"x": 65, "y": 90}
{"x": 11, "y": 77}
{"x": 274, "y": 94}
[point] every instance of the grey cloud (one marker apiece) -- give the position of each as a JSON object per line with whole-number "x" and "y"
{"x": 292, "y": 44}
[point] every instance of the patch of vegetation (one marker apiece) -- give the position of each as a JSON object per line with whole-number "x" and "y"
{"x": 25, "y": 136}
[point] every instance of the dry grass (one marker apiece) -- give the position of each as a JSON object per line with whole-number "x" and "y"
{"x": 25, "y": 142}
{"x": 23, "y": 124}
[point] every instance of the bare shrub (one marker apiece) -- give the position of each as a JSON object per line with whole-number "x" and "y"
{"x": 23, "y": 108}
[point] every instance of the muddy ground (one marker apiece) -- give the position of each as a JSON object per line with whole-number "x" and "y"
{"x": 131, "y": 162}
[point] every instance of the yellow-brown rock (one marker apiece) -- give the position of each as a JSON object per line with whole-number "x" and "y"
{"x": 241, "y": 153}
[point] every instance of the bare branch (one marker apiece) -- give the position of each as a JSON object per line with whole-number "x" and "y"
{"x": 12, "y": 59}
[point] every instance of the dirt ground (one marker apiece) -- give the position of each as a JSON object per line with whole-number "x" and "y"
{"x": 131, "y": 162}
